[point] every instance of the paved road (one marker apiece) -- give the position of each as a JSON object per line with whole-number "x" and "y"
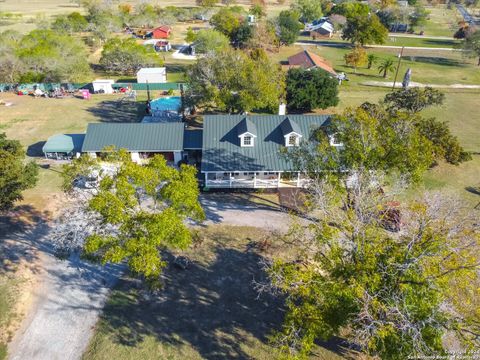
{"x": 343, "y": 45}
{"x": 469, "y": 19}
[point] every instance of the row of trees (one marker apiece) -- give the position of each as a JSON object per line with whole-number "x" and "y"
{"x": 42, "y": 56}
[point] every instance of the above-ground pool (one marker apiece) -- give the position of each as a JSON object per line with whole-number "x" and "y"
{"x": 171, "y": 103}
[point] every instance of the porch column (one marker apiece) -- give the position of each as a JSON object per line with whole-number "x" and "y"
{"x": 230, "y": 179}
{"x": 298, "y": 179}
{"x": 254, "y": 180}
{"x": 278, "y": 179}
{"x": 206, "y": 179}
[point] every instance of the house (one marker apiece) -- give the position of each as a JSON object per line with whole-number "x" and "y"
{"x": 158, "y": 45}
{"x": 141, "y": 140}
{"x": 162, "y": 45}
{"x": 63, "y": 146}
{"x": 241, "y": 151}
{"x": 309, "y": 60}
{"x": 103, "y": 86}
{"x": 152, "y": 75}
{"x": 322, "y": 29}
{"x": 161, "y": 32}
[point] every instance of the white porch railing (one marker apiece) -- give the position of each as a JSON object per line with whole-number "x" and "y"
{"x": 242, "y": 183}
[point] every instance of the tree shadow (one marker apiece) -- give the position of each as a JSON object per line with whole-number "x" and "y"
{"x": 211, "y": 307}
{"x": 118, "y": 111}
{"x": 440, "y": 42}
{"x": 473, "y": 190}
{"x": 21, "y": 234}
{"x": 435, "y": 60}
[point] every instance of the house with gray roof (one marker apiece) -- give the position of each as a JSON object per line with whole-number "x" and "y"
{"x": 240, "y": 151}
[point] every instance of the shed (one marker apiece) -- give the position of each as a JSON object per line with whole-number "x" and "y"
{"x": 103, "y": 86}
{"x": 152, "y": 75}
{"x": 63, "y": 146}
{"x": 161, "y": 32}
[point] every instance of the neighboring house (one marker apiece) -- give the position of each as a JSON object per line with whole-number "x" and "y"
{"x": 241, "y": 151}
{"x": 323, "y": 29}
{"x": 141, "y": 140}
{"x": 162, "y": 45}
{"x": 399, "y": 28}
{"x": 161, "y": 32}
{"x": 63, "y": 146}
{"x": 309, "y": 60}
{"x": 152, "y": 75}
{"x": 158, "y": 45}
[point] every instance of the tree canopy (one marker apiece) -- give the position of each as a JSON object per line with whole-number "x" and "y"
{"x": 364, "y": 29}
{"x": 382, "y": 274}
{"x": 310, "y": 89}
{"x": 15, "y": 174}
{"x": 414, "y": 99}
{"x": 126, "y": 56}
{"x": 42, "y": 55}
{"x": 309, "y": 10}
{"x": 139, "y": 210}
{"x": 234, "y": 81}
{"x": 288, "y": 26}
{"x": 210, "y": 40}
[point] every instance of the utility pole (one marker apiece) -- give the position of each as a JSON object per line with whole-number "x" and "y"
{"x": 398, "y": 68}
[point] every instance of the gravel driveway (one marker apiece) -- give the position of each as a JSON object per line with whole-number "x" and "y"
{"x": 72, "y": 292}
{"x": 66, "y": 306}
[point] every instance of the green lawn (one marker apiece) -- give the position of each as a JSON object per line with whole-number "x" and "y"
{"x": 442, "y": 21}
{"x": 209, "y": 311}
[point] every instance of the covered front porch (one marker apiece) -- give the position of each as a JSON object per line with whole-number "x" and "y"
{"x": 255, "y": 180}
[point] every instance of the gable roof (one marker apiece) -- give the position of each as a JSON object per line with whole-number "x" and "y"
{"x": 221, "y": 150}
{"x": 308, "y": 60}
{"x": 163, "y": 28}
{"x": 135, "y": 137}
{"x": 288, "y": 126}
{"x": 246, "y": 126}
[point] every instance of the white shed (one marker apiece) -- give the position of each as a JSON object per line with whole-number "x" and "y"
{"x": 152, "y": 75}
{"x": 103, "y": 86}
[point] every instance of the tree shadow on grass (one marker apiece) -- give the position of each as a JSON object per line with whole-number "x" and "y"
{"x": 212, "y": 308}
{"x": 436, "y": 60}
{"x": 118, "y": 111}
{"x": 21, "y": 232}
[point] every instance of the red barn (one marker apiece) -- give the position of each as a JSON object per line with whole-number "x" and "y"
{"x": 161, "y": 32}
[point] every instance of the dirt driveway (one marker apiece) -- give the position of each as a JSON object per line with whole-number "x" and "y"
{"x": 71, "y": 293}
{"x": 230, "y": 209}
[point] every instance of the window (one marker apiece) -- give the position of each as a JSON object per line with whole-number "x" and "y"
{"x": 247, "y": 141}
{"x": 292, "y": 140}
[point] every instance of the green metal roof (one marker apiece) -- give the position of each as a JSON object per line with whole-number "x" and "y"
{"x": 134, "y": 137}
{"x": 246, "y": 126}
{"x": 288, "y": 126}
{"x": 193, "y": 139}
{"x": 64, "y": 143}
{"x": 221, "y": 149}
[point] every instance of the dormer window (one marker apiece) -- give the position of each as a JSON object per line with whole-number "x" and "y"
{"x": 293, "y": 140}
{"x": 246, "y": 132}
{"x": 247, "y": 140}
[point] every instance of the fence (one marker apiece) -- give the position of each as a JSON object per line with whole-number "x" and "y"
{"x": 71, "y": 86}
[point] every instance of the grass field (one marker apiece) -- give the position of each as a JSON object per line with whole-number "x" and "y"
{"x": 442, "y": 21}
{"x": 209, "y": 311}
